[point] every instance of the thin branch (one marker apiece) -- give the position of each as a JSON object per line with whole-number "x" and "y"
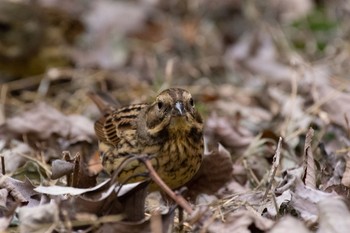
{"x": 309, "y": 163}
{"x": 275, "y": 165}
{"x": 177, "y": 198}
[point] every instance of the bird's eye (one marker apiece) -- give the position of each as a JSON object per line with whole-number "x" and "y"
{"x": 191, "y": 102}
{"x": 160, "y": 104}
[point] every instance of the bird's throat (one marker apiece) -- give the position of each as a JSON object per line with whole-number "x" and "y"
{"x": 178, "y": 125}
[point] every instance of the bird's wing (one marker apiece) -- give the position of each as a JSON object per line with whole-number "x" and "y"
{"x": 117, "y": 126}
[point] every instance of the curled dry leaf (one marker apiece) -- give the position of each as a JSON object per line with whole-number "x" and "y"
{"x": 42, "y": 218}
{"x": 105, "y": 198}
{"x": 334, "y": 216}
{"x": 289, "y": 224}
{"x": 300, "y": 199}
{"x": 309, "y": 163}
{"x": 43, "y": 121}
{"x": 214, "y": 173}
{"x": 21, "y": 192}
{"x": 61, "y": 168}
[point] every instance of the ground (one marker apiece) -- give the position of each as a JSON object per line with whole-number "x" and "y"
{"x": 270, "y": 79}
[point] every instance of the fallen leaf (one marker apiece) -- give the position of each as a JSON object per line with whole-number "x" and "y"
{"x": 38, "y": 219}
{"x": 63, "y": 190}
{"x": 214, "y": 173}
{"x": 289, "y": 224}
{"x": 336, "y": 104}
{"x": 334, "y": 216}
{"x": 219, "y": 129}
{"x": 21, "y": 192}
{"x": 14, "y": 155}
{"x": 241, "y": 222}
{"x": 61, "y": 168}
{"x": 43, "y": 121}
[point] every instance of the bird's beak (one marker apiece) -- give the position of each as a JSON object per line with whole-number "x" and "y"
{"x": 179, "y": 109}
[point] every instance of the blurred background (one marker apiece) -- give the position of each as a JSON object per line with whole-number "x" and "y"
{"x": 257, "y": 70}
{"x": 273, "y": 65}
{"x": 276, "y": 65}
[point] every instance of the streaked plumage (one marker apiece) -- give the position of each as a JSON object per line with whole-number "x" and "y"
{"x": 169, "y": 131}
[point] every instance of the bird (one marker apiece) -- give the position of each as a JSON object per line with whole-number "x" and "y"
{"x": 168, "y": 132}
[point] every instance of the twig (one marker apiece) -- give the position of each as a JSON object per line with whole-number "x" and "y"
{"x": 275, "y": 165}
{"x": 3, "y": 94}
{"x": 2, "y": 164}
{"x": 177, "y": 198}
{"x": 309, "y": 163}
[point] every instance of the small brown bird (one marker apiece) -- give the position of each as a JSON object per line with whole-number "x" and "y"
{"x": 169, "y": 131}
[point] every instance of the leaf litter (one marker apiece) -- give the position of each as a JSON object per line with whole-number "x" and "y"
{"x": 269, "y": 78}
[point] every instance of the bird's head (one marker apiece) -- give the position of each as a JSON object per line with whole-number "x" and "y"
{"x": 173, "y": 109}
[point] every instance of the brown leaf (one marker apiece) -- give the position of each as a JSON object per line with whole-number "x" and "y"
{"x": 215, "y": 171}
{"x": 61, "y": 168}
{"x": 95, "y": 163}
{"x": 341, "y": 190}
{"x": 309, "y": 163}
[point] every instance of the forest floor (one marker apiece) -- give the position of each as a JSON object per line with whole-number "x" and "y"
{"x": 270, "y": 78}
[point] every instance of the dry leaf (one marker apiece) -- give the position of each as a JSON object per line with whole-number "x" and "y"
{"x": 334, "y": 216}
{"x": 5, "y": 223}
{"x": 39, "y": 219}
{"x": 289, "y": 224}
{"x": 309, "y": 163}
{"x": 107, "y": 23}
{"x": 21, "y": 192}
{"x": 61, "y": 168}
{"x": 301, "y": 199}
{"x": 3, "y": 198}
{"x": 43, "y": 121}
{"x": 337, "y": 105}
{"x": 214, "y": 173}
{"x": 63, "y": 190}
{"x": 15, "y": 155}
{"x": 241, "y": 222}
{"x": 219, "y": 129}
{"x": 346, "y": 175}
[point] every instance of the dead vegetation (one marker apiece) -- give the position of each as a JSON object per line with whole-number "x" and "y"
{"x": 269, "y": 77}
